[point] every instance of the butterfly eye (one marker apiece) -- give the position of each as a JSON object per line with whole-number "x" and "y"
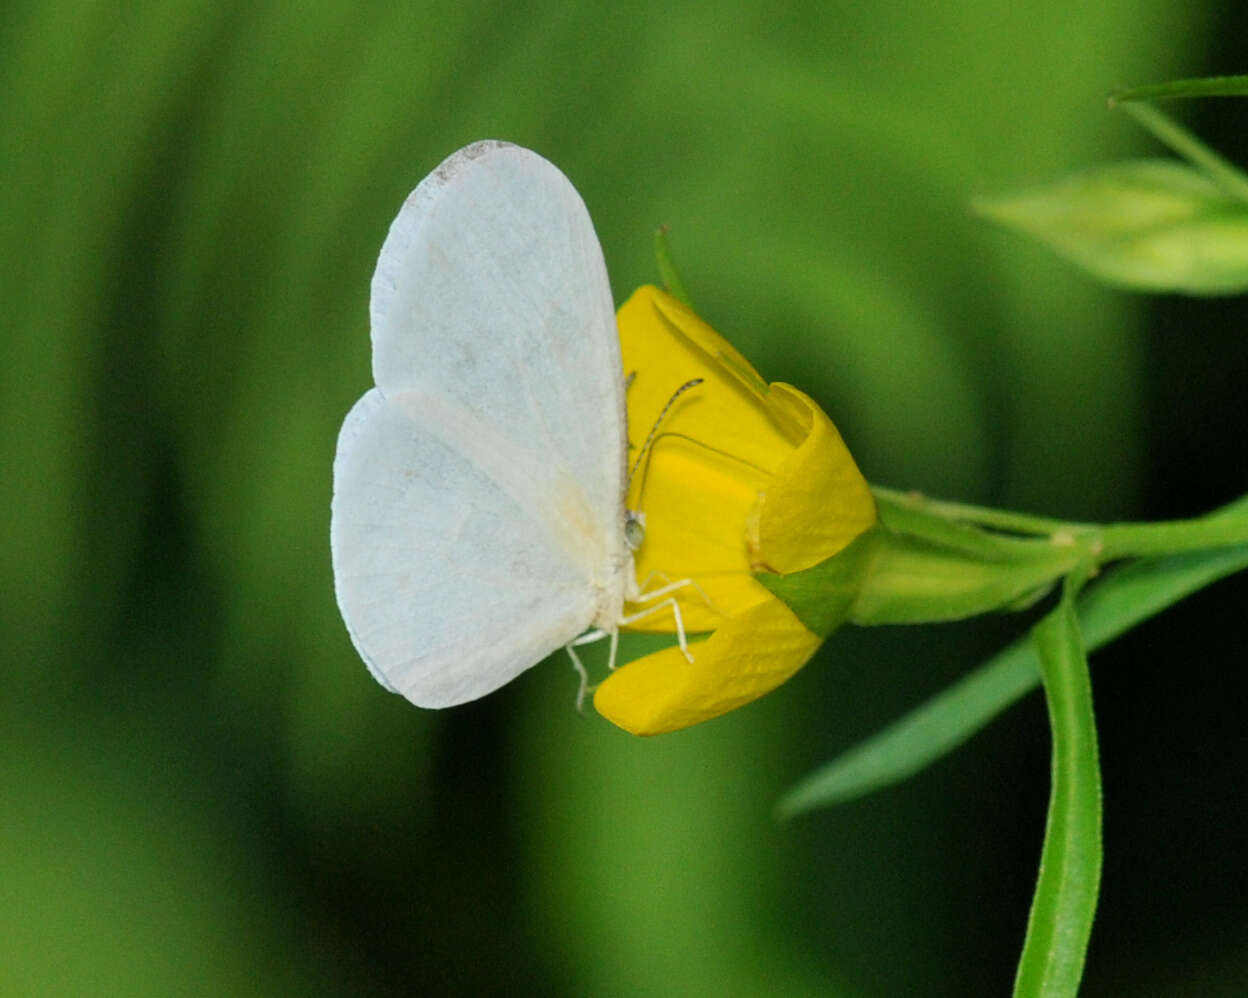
{"x": 634, "y": 529}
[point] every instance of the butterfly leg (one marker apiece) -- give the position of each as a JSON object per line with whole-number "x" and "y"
{"x": 663, "y": 591}
{"x": 589, "y": 637}
{"x": 584, "y": 679}
{"x": 645, "y": 594}
{"x": 651, "y": 610}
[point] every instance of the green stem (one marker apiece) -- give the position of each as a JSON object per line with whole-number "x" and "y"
{"x": 984, "y": 516}
{"x": 1101, "y": 543}
{"x": 1170, "y": 133}
{"x": 1133, "y": 540}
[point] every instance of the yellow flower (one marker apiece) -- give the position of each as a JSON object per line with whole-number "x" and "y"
{"x": 741, "y": 477}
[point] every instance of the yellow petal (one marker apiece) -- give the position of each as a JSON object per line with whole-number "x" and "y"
{"x": 665, "y": 345}
{"x": 750, "y": 655}
{"x": 818, "y": 500}
{"x": 697, "y": 505}
{"x": 717, "y": 447}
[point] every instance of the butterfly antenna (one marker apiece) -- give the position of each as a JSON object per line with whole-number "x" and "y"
{"x": 654, "y": 430}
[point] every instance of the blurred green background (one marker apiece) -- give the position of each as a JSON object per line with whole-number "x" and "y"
{"x": 203, "y": 791}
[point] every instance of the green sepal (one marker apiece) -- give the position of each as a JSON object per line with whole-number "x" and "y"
{"x": 914, "y": 568}
{"x": 1150, "y": 225}
{"x": 823, "y": 597}
{"x": 668, "y": 273}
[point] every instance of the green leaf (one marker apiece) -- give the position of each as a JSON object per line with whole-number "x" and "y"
{"x": 1124, "y": 598}
{"x": 1204, "y": 86}
{"x": 1150, "y": 225}
{"x": 1064, "y": 904}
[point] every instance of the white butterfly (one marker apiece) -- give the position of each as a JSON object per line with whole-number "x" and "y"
{"x": 479, "y": 519}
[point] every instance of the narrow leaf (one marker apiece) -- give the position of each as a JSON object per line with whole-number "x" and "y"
{"x": 1149, "y": 225}
{"x": 1205, "y": 86}
{"x": 1064, "y": 904}
{"x": 1125, "y": 597}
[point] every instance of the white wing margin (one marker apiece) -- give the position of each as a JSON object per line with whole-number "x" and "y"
{"x": 478, "y": 490}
